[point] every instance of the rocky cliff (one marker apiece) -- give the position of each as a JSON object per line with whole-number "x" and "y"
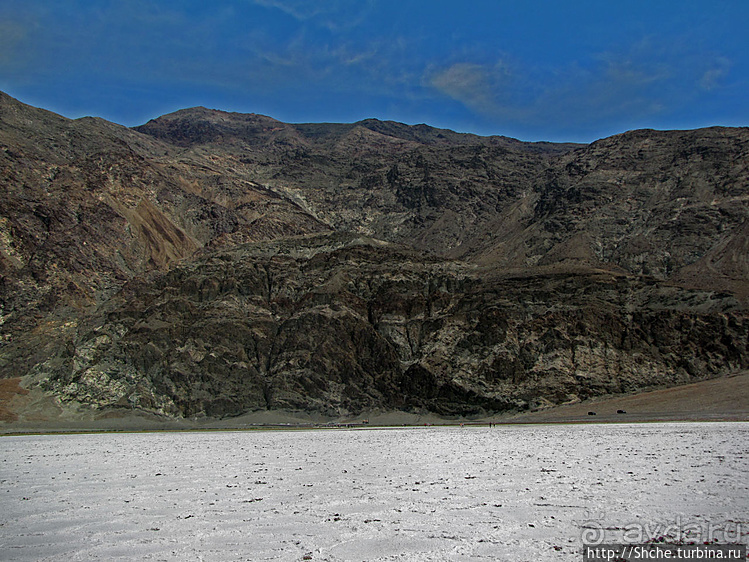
{"x": 211, "y": 264}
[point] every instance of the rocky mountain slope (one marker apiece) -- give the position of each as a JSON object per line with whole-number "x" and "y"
{"x": 210, "y": 264}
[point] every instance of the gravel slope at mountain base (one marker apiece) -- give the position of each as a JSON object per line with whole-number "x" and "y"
{"x": 725, "y": 398}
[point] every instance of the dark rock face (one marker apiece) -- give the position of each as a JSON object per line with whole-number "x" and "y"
{"x": 209, "y": 264}
{"x": 338, "y": 330}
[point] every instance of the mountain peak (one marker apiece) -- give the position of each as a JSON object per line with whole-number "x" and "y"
{"x": 210, "y": 263}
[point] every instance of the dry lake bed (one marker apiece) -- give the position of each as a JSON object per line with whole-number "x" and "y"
{"x": 529, "y": 492}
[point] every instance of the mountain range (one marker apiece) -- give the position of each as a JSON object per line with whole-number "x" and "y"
{"x": 209, "y": 264}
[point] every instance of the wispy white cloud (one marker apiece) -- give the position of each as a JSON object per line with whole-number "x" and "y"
{"x": 298, "y": 9}
{"x": 713, "y": 77}
{"x": 19, "y": 36}
{"x": 648, "y": 79}
{"x": 335, "y": 15}
{"x": 472, "y": 84}
{"x": 12, "y": 35}
{"x": 496, "y": 91}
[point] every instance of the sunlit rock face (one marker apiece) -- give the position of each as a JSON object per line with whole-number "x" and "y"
{"x": 210, "y": 264}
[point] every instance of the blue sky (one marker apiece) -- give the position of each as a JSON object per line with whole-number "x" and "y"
{"x": 544, "y": 70}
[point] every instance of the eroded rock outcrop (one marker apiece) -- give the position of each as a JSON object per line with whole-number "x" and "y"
{"x": 340, "y": 326}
